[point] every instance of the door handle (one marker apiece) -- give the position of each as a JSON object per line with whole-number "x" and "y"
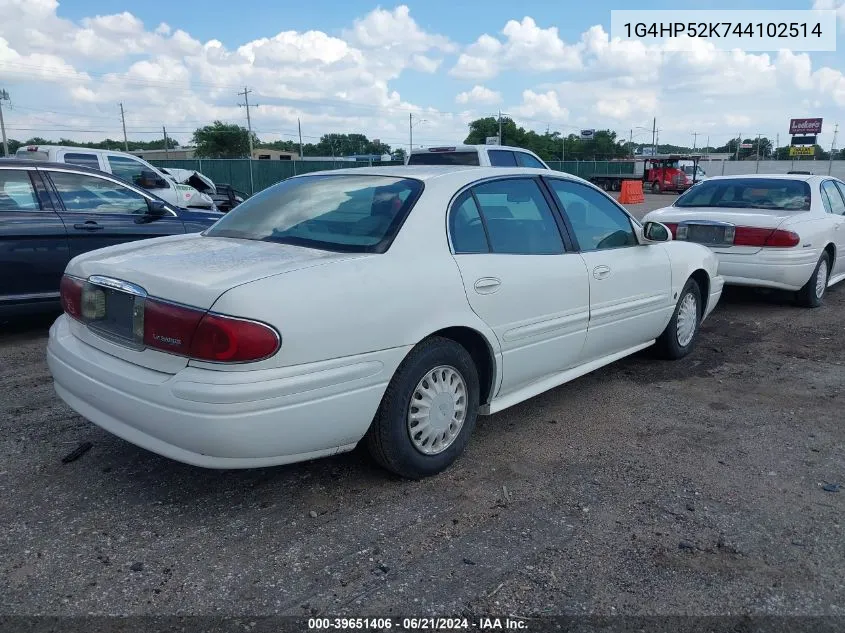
{"x": 601, "y": 272}
{"x": 487, "y": 285}
{"x": 90, "y": 225}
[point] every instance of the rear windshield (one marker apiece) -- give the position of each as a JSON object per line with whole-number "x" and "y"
{"x": 32, "y": 154}
{"x": 445, "y": 158}
{"x": 749, "y": 193}
{"x": 346, "y": 213}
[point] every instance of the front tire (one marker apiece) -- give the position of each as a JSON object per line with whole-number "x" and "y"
{"x": 680, "y": 336}
{"x": 655, "y": 187}
{"x": 812, "y": 294}
{"x": 428, "y": 411}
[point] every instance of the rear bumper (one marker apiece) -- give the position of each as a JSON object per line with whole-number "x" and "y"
{"x": 223, "y": 419}
{"x": 783, "y": 269}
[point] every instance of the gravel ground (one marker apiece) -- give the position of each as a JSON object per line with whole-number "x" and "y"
{"x": 647, "y": 487}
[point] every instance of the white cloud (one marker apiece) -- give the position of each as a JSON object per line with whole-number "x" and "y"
{"x": 541, "y": 105}
{"x": 832, "y": 5}
{"x": 346, "y": 80}
{"x": 479, "y": 94}
{"x": 526, "y": 46}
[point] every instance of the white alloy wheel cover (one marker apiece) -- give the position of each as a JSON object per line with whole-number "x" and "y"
{"x": 437, "y": 410}
{"x": 821, "y": 279}
{"x": 687, "y": 319}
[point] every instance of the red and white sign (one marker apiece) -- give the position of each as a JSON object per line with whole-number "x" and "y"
{"x": 805, "y": 126}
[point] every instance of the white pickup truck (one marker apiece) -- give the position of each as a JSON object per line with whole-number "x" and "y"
{"x": 476, "y": 155}
{"x": 135, "y": 170}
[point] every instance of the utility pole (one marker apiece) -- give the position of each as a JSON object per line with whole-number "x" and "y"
{"x": 4, "y": 96}
{"x": 694, "y": 141}
{"x": 777, "y": 144}
{"x": 757, "y": 167}
{"x": 500, "y": 127}
{"x": 301, "y": 150}
{"x": 832, "y": 145}
{"x": 410, "y": 132}
{"x": 245, "y": 95}
{"x": 562, "y": 149}
{"x": 653, "y": 136}
{"x": 631, "y": 141}
{"x": 738, "y": 143}
{"x": 123, "y": 121}
{"x": 166, "y": 153}
{"x": 707, "y": 150}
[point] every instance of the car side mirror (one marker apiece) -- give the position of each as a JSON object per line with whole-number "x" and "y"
{"x": 655, "y": 232}
{"x": 156, "y": 208}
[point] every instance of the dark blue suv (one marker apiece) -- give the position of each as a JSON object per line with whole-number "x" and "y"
{"x": 51, "y": 212}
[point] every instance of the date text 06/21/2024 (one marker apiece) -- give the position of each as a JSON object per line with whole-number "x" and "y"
{"x": 418, "y": 624}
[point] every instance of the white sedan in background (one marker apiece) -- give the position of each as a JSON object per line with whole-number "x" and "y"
{"x": 389, "y": 304}
{"x": 772, "y": 231}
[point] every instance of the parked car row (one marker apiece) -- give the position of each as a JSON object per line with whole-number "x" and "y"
{"x": 125, "y": 166}
{"x": 387, "y": 305}
{"x": 52, "y": 212}
{"x": 782, "y": 231}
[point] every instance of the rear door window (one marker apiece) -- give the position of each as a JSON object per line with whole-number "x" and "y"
{"x": 17, "y": 192}
{"x": 84, "y": 160}
{"x": 518, "y": 218}
{"x": 501, "y": 158}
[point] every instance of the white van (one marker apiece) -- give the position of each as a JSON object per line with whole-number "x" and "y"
{"x": 477, "y": 155}
{"x": 135, "y": 170}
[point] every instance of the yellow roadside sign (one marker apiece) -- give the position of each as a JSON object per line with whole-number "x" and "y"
{"x": 802, "y": 151}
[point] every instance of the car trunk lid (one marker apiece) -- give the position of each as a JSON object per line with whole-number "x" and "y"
{"x": 705, "y": 225}
{"x": 190, "y": 270}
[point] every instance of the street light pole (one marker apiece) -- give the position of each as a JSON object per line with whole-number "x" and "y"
{"x": 4, "y": 96}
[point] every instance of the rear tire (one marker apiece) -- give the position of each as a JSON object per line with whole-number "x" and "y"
{"x": 680, "y": 336}
{"x": 454, "y": 402}
{"x": 812, "y": 294}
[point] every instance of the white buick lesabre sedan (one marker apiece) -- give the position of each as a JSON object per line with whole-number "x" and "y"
{"x": 773, "y": 231}
{"x": 388, "y": 304}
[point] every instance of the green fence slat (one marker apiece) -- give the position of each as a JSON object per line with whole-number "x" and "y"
{"x": 265, "y": 173}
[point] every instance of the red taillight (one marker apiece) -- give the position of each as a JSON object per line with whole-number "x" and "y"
{"x": 230, "y": 340}
{"x": 673, "y": 227}
{"x": 70, "y": 290}
{"x": 783, "y": 239}
{"x": 204, "y": 336}
{"x": 753, "y": 236}
{"x": 170, "y": 327}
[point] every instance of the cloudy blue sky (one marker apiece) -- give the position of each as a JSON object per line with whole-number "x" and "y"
{"x": 356, "y": 66}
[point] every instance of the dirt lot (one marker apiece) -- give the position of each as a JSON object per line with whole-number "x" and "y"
{"x": 647, "y": 487}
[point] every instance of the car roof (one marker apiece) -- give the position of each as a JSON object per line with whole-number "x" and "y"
{"x": 804, "y": 177}
{"x": 456, "y": 174}
{"x": 469, "y": 148}
{"x": 42, "y": 164}
{"x": 49, "y": 146}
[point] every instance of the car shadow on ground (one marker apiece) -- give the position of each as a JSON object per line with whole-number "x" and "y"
{"x": 30, "y": 324}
